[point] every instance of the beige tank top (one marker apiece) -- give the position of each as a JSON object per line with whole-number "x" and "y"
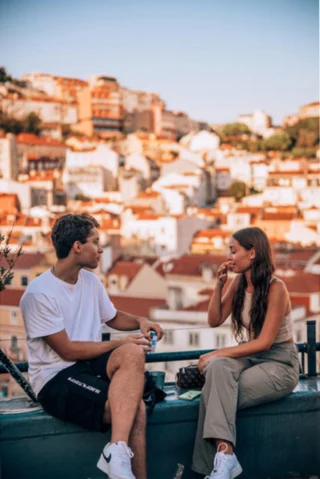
{"x": 285, "y": 329}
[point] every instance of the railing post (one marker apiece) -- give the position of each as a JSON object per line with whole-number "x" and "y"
{"x": 311, "y": 348}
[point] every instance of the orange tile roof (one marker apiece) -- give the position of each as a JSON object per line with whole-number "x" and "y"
{"x": 206, "y": 291}
{"x": 44, "y": 175}
{"x": 148, "y": 216}
{"x": 148, "y": 194}
{"x": 31, "y": 139}
{"x": 212, "y": 233}
{"x": 304, "y": 283}
{"x": 26, "y": 261}
{"x": 223, "y": 170}
{"x": 9, "y": 203}
{"x": 299, "y": 256}
{"x": 314, "y": 103}
{"x": 200, "y": 307}
{"x": 206, "y": 212}
{"x": 253, "y": 210}
{"x": 109, "y": 224}
{"x": 125, "y": 268}
{"x": 139, "y": 209}
{"x": 136, "y": 306}
{"x": 191, "y": 264}
{"x": 177, "y": 187}
{"x": 278, "y": 215}
{"x": 11, "y": 296}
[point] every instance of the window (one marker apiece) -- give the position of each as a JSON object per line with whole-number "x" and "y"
{"x": 168, "y": 337}
{"x": 24, "y": 280}
{"x": 14, "y": 344}
{"x": 194, "y": 339}
{"x": 220, "y": 340}
{"x": 14, "y": 317}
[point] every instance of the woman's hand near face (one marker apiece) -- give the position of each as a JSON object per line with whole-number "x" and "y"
{"x": 222, "y": 274}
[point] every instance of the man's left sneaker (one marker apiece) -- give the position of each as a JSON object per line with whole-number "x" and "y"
{"x": 115, "y": 461}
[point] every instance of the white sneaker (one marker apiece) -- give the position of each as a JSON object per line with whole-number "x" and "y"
{"x": 115, "y": 461}
{"x": 225, "y": 466}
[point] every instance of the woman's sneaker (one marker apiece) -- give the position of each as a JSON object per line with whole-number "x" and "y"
{"x": 225, "y": 466}
{"x": 115, "y": 461}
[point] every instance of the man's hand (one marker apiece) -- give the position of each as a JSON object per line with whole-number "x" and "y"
{"x": 137, "y": 339}
{"x": 146, "y": 326}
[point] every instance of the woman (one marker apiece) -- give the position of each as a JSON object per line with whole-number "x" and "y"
{"x": 263, "y": 369}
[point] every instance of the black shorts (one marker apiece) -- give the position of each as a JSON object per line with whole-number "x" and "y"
{"x": 78, "y": 393}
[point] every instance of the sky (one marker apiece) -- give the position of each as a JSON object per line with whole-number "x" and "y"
{"x": 213, "y": 59}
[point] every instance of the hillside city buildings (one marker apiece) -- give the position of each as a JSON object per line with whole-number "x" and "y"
{"x": 159, "y": 184}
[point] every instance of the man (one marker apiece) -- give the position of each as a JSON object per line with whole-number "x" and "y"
{"x": 75, "y": 375}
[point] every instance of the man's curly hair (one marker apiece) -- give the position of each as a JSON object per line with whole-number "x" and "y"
{"x": 70, "y": 228}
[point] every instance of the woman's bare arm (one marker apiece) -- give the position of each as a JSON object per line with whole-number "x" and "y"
{"x": 220, "y": 306}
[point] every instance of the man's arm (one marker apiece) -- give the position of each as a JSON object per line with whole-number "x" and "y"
{"x": 128, "y": 322}
{"x": 81, "y": 350}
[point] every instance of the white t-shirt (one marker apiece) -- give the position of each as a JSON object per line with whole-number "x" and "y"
{"x": 50, "y": 305}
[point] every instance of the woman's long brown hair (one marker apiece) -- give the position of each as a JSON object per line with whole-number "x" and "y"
{"x": 262, "y": 268}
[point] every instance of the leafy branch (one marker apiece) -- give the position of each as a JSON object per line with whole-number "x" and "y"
{"x": 6, "y": 273}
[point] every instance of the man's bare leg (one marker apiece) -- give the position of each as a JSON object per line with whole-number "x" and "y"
{"x": 125, "y": 368}
{"x": 137, "y": 442}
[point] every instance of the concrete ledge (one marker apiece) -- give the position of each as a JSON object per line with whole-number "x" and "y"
{"x": 273, "y": 440}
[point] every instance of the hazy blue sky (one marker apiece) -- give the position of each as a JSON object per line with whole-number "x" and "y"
{"x": 213, "y": 59}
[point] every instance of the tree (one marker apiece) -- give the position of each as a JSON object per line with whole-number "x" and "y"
{"x": 6, "y": 273}
{"x": 82, "y": 197}
{"x": 66, "y": 131}
{"x": 238, "y": 189}
{"x": 4, "y": 77}
{"x": 233, "y": 129}
{"x": 32, "y": 124}
{"x": 10, "y": 124}
{"x": 305, "y": 152}
{"x": 29, "y": 124}
{"x": 279, "y": 142}
{"x": 305, "y": 133}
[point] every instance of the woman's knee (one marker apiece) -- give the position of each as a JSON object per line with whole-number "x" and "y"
{"x": 220, "y": 363}
{"x": 220, "y": 366}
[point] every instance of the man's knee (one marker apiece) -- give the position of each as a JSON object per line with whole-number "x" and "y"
{"x": 128, "y": 355}
{"x": 132, "y": 353}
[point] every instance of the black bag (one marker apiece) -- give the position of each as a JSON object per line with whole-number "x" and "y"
{"x": 189, "y": 378}
{"x": 151, "y": 393}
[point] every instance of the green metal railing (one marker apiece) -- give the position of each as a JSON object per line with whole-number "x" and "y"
{"x": 309, "y": 348}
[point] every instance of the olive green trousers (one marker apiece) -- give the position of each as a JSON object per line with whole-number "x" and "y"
{"x": 233, "y": 384}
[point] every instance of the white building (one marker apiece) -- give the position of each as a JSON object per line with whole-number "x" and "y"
{"x": 196, "y": 186}
{"x": 9, "y": 160}
{"x": 49, "y": 110}
{"x": 163, "y": 234}
{"x": 64, "y": 88}
{"x": 202, "y": 141}
{"x": 136, "y": 161}
{"x": 91, "y": 172}
{"x": 23, "y": 190}
{"x": 280, "y": 196}
{"x": 258, "y": 122}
